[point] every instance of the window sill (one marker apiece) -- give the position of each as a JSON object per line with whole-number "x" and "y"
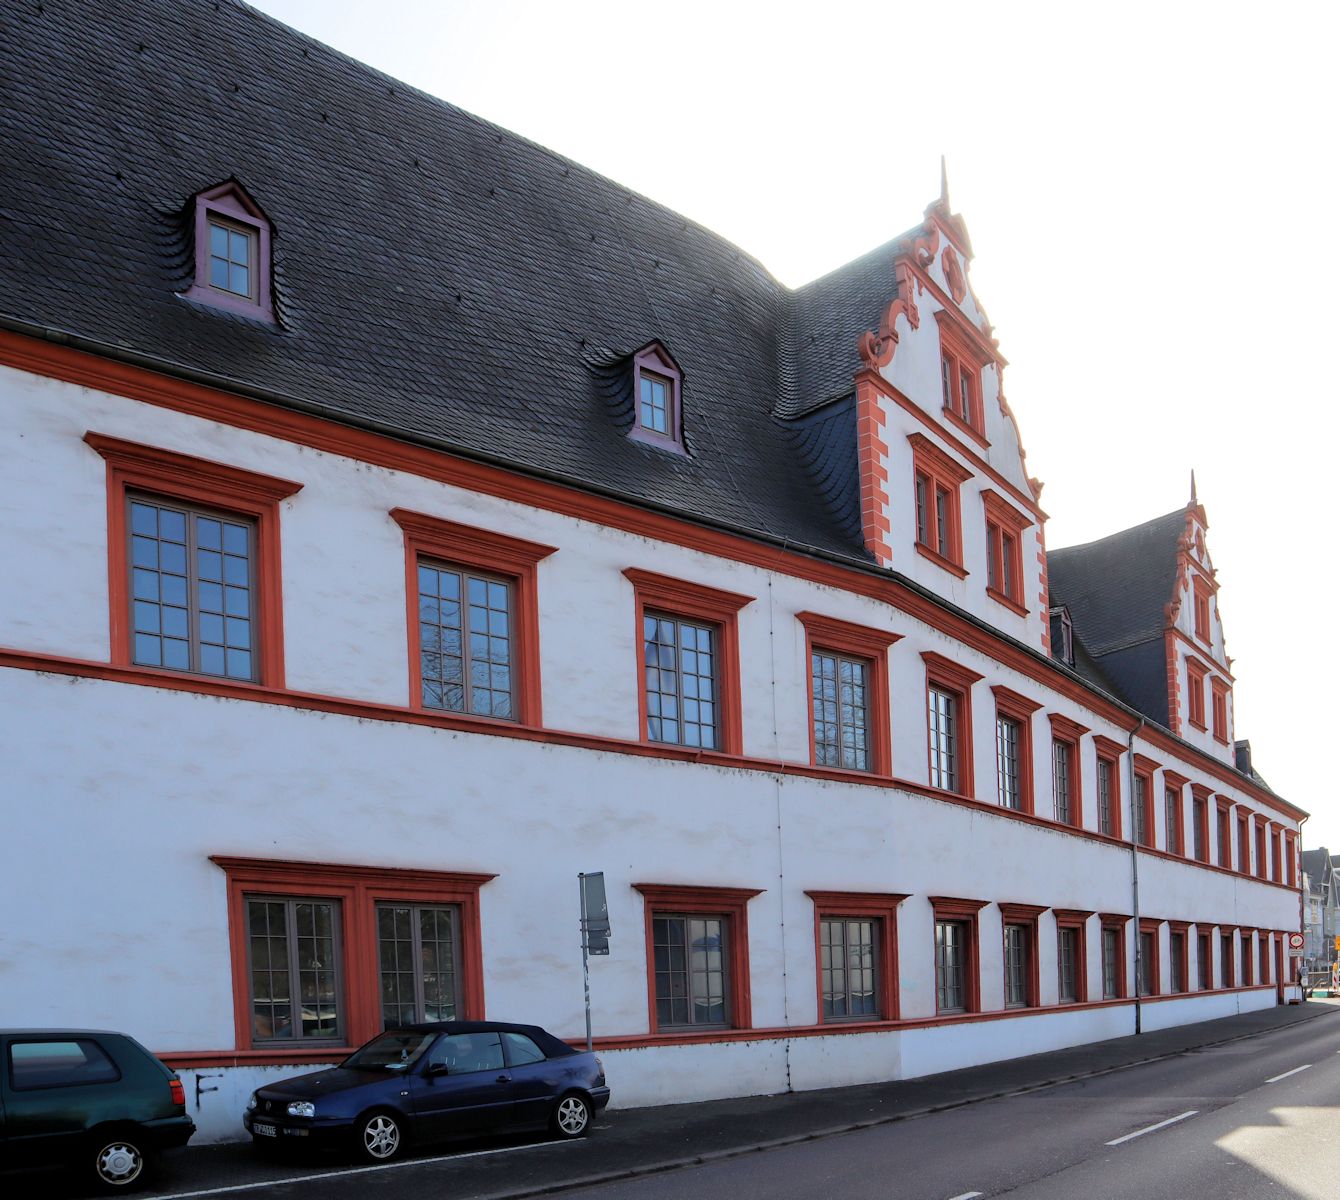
{"x": 965, "y": 427}
{"x": 941, "y": 561}
{"x": 1200, "y": 725}
{"x": 1008, "y": 601}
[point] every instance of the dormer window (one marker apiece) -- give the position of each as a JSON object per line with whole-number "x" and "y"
{"x": 232, "y": 252}
{"x": 656, "y": 390}
{"x": 1062, "y": 636}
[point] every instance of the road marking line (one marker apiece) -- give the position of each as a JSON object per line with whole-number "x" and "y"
{"x": 1151, "y": 1128}
{"x": 256, "y": 1184}
{"x": 1277, "y": 1078}
{"x": 967, "y": 1196}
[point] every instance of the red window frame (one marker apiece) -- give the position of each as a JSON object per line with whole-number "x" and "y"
{"x": 872, "y": 647}
{"x": 1117, "y": 922}
{"x": 1067, "y": 732}
{"x": 1069, "y": 918}
{"x": 1184, "y": 928}
{"x": 654, "y": 359}
{"x": 696, "y": 601}
{"x": 1026, "y": 915}
{"x": 729, "y": 903}
{"x": 953, "y": 908}
{"x": 516, "y": 560}
{"x": 358, "y": 890}
{"x": 1204, "y": 960}
{"x": 230, "y": 205}
{"x": 1020, "y": 708}
{"x": 1224, "y": 827}
{"x": 1259, "y": 835}
{"x": 1200, "y": 820}
{"x": 1228, "y": 970}
{"x": 1005, "y": 529}
{"x": 1290, "y": 858}
{"x": 1274, "y": 852}
{"x": 1173, "y": 786}
{"x": 1244, "y": 843}
{"x": 1247, "y": 958}
{"x": 182, "y": 477}
{"x": 1201, "y": 609}
{"x": 1263, "y": 947}
{"x": 1219, "y": 709}
{"x": 940, "y": 472}
{"x": 1110, "y": 752}
{"x": 1151, "y": 926}
{"x": 949, "y": 676}
{"x": 1144, "y": 771}
{"x": 960, "y": 359}
{"x": 881, "y": 907}
{"x": 1196, "y": 672}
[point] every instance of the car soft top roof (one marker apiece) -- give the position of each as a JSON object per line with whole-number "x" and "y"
{"x": 553, "y": 1047}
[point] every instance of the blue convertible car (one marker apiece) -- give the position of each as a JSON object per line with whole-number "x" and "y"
{"x": 427, "y": 1083}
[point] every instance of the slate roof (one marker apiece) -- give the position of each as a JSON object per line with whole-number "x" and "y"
{"x": 433, "y": 274}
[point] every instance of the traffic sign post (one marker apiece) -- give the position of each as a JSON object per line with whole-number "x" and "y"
{"x": 595, "y": 930}
{"x": 1295, "y": 945}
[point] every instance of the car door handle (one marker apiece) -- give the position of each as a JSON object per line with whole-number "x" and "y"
{"x": 503, "y": 1079}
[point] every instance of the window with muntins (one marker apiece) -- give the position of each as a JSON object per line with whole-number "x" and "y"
{"x": 841, "y": 713}
{"x": 937, "y": 479}
{"x": 1177, "y": 961}
{"x": 1172, "y": 818}
{"x": 1106, "y": 771}
{"x": 1148, "y": 963}
{"x": 1219, "y": 709}
{"x": 1005, "y": 529}
{"x": 657, "y": 388}
{"x": 690, "y": 954}
{"x": 1195, "y": 692}
{"x": 1245, "y": 945}
{"x": 849, "y": 965}
{"x": 465, "y": 641}
{"x": 961, "y": 366}
{"x": 1009, "y": 778}
{"x": 417, "y": 951}
{"x": 232, "y": 252}
{"x": 944, "y": 739}
{"x": 1063, "y": 763}
{"x": 1114, "y": 965}
{"x": 295, "y": 976}
{"x": 1204, "y": 967}
{"x": 949, "y": 723}
{"x": 1200, "y": 829}
{"x": 1226, "y": 960}
{"x": 681, "y": 662}
{"x": 951, "y": 965}
{"x": 1018, "y": 955}
{"x": 1068, "y": 964}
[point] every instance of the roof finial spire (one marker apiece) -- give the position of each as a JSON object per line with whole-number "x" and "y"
{"x": 944, "y": 184}
{"x": 1193, "y": 488}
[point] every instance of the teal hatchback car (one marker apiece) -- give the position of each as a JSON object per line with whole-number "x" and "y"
{"x": 90, "y": 1099}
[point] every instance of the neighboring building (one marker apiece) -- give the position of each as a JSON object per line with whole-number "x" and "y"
{"x": 1320, "y": 901}
{"x": 400, "y": 519}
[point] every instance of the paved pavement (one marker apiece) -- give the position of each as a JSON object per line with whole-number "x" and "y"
{"x": 630, "y": 1143}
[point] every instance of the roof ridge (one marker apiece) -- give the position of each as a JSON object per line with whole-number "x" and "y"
{"x": 1177, "y": 512}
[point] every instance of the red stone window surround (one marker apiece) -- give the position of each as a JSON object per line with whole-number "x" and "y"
{"x": 228, "y": 207}
{"x": 513, "y": 559}
{"x": 1026, "y": 915}
{"x": 1175, "y": 825}
{"x": 132, "y": 467}
{"x": 945, "y": 675}
{"x": 1274, "y": 853}
{"x": 1018, "y": 708}
{"x": 1117, "y": 922}
{"x": 729, "y": 903}
{"x": 357, "y": 891}
{"x": 1260, "y": 858}
{"x": 1290, "y": 858}
{"x": 964, "y": 912}
{"x": 1144, "y": 774}
{"x": 1200, "y": 593}
{"x": 961, "y": 366}
{"x": 1219, "y": 709}
{"x": 658, "y": 417}
{"x": 1244, "y": 843}
{"x": 1066, "y": 735}
{"x": 1223, "y": 815}
{"x": 1263, "y": 941}
{"x": 1195, "y": 685}
{"x": 880, "y": 907}
{"x": 695, "y": 601}
{"x": 1110, "y": 751}
{"x": 1069, "y": 918}
{"x": 937, "y": 479}
{"x": 1184, "y": 928}
{"x": 1227, "y": 962}
{"x": 870, "y": 645}
{"x": 1200, "y": 817}
{"x": 1150, "y": 925}
{"x": 1005, "y": 529}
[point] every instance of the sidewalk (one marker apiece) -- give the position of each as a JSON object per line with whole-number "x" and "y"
{"x": 640, "y": 1141}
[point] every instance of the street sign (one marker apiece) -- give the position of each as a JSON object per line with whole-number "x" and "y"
{"x": 1295, "y": 943}
{"x": 595, "y": 913}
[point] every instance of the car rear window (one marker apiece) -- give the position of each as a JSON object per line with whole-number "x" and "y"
{"x": 521, "y": 1050}
{"x": 59, "y": 1064}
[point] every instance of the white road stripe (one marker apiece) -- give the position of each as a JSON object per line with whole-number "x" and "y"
{"x": 1151, "y": 1128}
{"x": 1277, "y": 1078}
{"x": 406, "y": 1162}
{"x": 968, "y": 1196}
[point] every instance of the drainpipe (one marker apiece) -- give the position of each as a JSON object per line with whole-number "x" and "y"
{"x": 1135, "y": 864}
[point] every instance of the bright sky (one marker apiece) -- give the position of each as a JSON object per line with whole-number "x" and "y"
{"x": 1152, "y": 193}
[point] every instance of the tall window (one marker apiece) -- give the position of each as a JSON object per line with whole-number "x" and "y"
{"x": 1263, "y": 948}
{"x": 1195, "y": 692}
{"x": 1244, "y": 845}
{"x": 690, "y": 955}
{"x": 1245, "y": 946}
{"x": 232, "y": 257}
{"x": 1201, "y": 609}
{"x": 1009, "y": 779}
{"x": 657, "y": 383}
{"x": 654, "y": 402}
{"x": 232, "y": 252}
{"x": 949, "y": 723}
{"x": 1069, "y": 965}
{"x": 1172, "y": 818}
{"x": 1148, "y": 964}
{"x": 1177, "y": 960}
{"x": 1005, "y": 528}
{"x": 1200, "y": 828}
{"x": 465, "y": 641}
{"x": 935, "y": 511}
{"x": 1260, "y": 849}
{"x": 1114, "y": 966}
{"x": 944, "y": 739}
{"x": 1204, "y": 967}
{"x": 1225, "y": 837}
{"x": 1063, "y": 779}
{"x": 961, "y": 365}
{"x": 1141, "y": 814}
{"x": 840, "y": 708}
{"x": 951, "y": 966}
{"x": 1226, "y": 960}
{"x": 937, "y": 479}
{"x": 295, "y": 974}
{"x": 848, "y": 964}
{"x": 1219, "y": 713}
{"x": 417, "y": 949}
{"x": 1018, "y": 964}
{"x": 1106, "y": 797}
{"x": 680, "y": 658}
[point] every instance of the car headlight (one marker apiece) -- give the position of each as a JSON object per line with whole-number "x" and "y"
{"x": 302, "y": 1108}
{"x": 251, "y": 1103}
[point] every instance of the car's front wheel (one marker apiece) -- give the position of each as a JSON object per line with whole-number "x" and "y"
{"x": 118, "y": 1162}
{"x": 379, "y": 1137}
{"x": 572, "y": 1116}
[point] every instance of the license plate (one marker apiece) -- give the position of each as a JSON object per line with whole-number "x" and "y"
{"x": 264, "y": 1130}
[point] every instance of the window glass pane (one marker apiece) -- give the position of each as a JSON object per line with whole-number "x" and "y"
{"x": 521, "y": 1050}
{"x": 59, "y": 1064}
{"x": 838, "y": 687}
{"x": 467, "y": 1053}
{"x": 943, "y": 721}
{"x": 1061, "y": 783}
{"x": 679, "y": 659}
{"x": 1008, "y": 734}
{"x": 465, "y": 650}
{"x": 689, "y": 954}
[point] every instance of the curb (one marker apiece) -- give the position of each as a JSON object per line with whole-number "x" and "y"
{"x": 698, "y": 1160}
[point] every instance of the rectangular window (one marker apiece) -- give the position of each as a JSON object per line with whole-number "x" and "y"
{"x": 839, "y": 690}
{"x": 1172, "y": 818}
{"x": 1263, "y": 947}
{"x": 1008, "y": 762}
{"x": 1148, "y": 963}
{"x": 1106, "y": 769}
{"x": 961, "y": 367}
{"x": 1005, "y": 526}
{"x": 1141, "y": 814}
{"x": 1068, "y": 965}
{"x": 417, "y": 949}
{"x": 937, "y": 478}
{"x": 1244, "y": 845}
{"x": 1226, "y": 960}
{"x": 923, "y": 488}
{"x": 680, "y": 658}
{"x": 1225, "y": 837}
{"x": 232, "y": 257}
{"x": 951, "y": 966}
{"x": 949, "y": 723}
{"x": 654, "y": 402}
{"x": 1200, "y": 828}
{"x": 848, "y": 966}
{"x": 944, "y": 746}
{"x": 690, "y": 953}
{"x": 1260, "y": 849}
{"x": 1245, "y": 945}
{"x": 192, "y": 589}
{"x": 1018, "y": 966}
{"x": 1177, "y": 960}
{"x": 942, "y": 518}
{"x": 294, "y": 970}
{"x": 465, "y": 641}
{"x": 1195, "y": 692}
{"x": 1114, "y": 966}
{"x": 1202, "y": 610}
{"x": 1219, "y": 714}
{"x": 1204, "y": 967}
{"x": 1063, "y": 764}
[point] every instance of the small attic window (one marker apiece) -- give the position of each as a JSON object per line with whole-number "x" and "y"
{"x": 232, "y": 252}
{"x": 656, "y": 392}
{"x": 1063, "y": 636}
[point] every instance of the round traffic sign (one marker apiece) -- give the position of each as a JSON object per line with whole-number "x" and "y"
{"x": 1295, "y": 941}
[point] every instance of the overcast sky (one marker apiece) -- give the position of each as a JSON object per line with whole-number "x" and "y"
{"x": 1151, "y": 191}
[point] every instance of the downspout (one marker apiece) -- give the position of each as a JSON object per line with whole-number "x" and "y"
{"x": 1135, "y": 864}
